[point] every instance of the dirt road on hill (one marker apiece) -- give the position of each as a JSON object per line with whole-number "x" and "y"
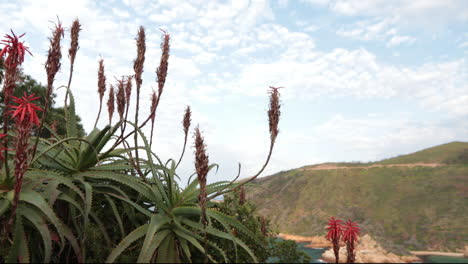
{"x": 409, "y": 165}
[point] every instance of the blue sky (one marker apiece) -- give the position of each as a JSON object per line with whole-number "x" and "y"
{"x": 364, "y": 80}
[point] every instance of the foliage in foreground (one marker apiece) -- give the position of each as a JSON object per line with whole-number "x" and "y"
{"x": 287, "y": 251}
{"x": 107, "y": 196}
{"x": 268, "y": 247}
{"x": 56, "y": 117}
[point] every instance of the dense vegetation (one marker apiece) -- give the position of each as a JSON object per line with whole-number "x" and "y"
{"x": 56, "y": 117}
{"x": 402, "y": 207}
{"x": 106, "y": 196}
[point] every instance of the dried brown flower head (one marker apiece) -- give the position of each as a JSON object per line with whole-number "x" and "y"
{"x": 121, "y": 97}
{"x": 187, "y": 120}
{"x": 242, "y": 195}
{"x": 161, "y": 71}
{"x": 101, "y": 87}
{"x": 54, "y": 56}
{"x": 110, "y": 103}
{"x": 101, "y": 80}
{"x": 140, "y": 60}
{"x": 274, "y": 112}
{"x": 201, "y": 158}
{"x": 154, "y": 104}
{"x": 154, "y": 101}
{"x": 201, "y": 166}
{"x": 75, "y": 32}
{"x": 128, "y": 89}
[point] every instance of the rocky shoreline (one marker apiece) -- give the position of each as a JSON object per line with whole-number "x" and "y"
{"x": 367, "y": 250}
{"x": 313, "y": 241}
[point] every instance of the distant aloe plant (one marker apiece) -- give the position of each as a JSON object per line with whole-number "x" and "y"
{"x": 350, "y": 236}
{"x": 335, "y": 230}
{"x": 348, "y": 232}
{"x": 65, "y": 186}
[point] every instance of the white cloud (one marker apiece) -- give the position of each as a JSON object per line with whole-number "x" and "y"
{"x": 427, "y": 14}
{"x": 282, "y": 3}
{"x": 376, "y": 30}
{"x": 397, "y": 40}
{"x": 306, "y": 26}
{"x": 317, "y": 2}
{"x": 120, "y": 13}
{"x": 358, "y": 73}
{"x": 236, "y": 49}
{"x": 463, "y": 45}
{"x": 374, "y": 138}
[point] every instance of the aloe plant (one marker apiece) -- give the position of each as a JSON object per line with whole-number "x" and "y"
{"x": 73, "y": 184}
{"x": 174, "y": 223}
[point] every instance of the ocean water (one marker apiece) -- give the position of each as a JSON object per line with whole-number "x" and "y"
{"x": 442, "y": 259}
{"x": 314, "y": 253}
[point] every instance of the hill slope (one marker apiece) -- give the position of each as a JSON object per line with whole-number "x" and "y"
{"x": 415, "y": 208}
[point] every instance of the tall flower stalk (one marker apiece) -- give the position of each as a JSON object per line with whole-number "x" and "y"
{"x": 128, "y": 94}
{"x": 74, "y": 46}
{"x": 14, "y": 50}
{"x": 121, "y": 101}
{"x": 161, "y": 73}
{"x": 274, "y": 113}
{"x": 101, "y": 87}
{"x": 154, "y": 99}
{"x": 52, "y": 66}
{"x": 138, "y": 68}
{"x": 335, "y": 230}
{"x": 186, "y": 126}
{"x": 110, "y": 104}
{"x": 202, "y": 167}
{"x": 25, "y": 116}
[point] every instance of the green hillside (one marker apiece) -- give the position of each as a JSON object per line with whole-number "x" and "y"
{"x": 412, "y": 208}
{"x": 450, "y": 153}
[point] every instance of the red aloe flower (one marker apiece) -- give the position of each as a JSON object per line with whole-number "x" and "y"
{"x": 14, "y": 49}
{"x": 335, "y": 229}
{"x": 351, "y": 233}
{"x": 25, "y": 118}
{"x": 26, "y": 109}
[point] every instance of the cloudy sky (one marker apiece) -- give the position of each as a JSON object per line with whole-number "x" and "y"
{"x": 364, "y": 79}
